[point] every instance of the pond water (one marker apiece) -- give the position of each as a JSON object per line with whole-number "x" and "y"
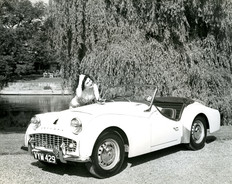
{"x": 17, "y": 110}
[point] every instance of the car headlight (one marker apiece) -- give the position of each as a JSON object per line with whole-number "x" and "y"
{"x": 35, "y": 121}
{"x": 76, "y": 126}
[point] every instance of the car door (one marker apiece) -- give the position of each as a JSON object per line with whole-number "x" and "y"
{"x": 164, "y": 132}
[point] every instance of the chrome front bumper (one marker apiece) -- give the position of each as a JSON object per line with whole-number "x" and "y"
{"x": 60, "y": 153}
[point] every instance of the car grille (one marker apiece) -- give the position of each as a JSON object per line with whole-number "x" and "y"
{"x": 50, "y": 141}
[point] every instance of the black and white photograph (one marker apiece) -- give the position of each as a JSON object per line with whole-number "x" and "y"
{"x": 115, "y": 91}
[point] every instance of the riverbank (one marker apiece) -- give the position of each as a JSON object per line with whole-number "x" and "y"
{"x": 39, "y": 86}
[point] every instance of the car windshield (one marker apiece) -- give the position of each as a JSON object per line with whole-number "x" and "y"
{"x": 130, "y": 93}
{"x": 141, "y": 94}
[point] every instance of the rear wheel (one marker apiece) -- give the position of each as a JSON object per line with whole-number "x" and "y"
{"x": 198, "y": 133}
{"x": 108, "y": 155}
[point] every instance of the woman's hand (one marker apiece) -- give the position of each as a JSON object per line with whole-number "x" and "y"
{"x": 101, "y": 101}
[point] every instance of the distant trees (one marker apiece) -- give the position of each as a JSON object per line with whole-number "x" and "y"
{"x": 24, "y": 38}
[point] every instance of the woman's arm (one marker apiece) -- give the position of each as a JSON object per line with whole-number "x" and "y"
{"x": 79, "y": 87}
{"x": 96, "y": 92}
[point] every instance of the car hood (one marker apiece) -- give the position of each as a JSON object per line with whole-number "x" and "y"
{"x": 116, "y": 108}
{"x": 88, "y": 112}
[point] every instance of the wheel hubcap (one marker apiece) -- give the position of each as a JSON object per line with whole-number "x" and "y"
{"x": 198, "y": 131}
{"x": 108, "y": 154}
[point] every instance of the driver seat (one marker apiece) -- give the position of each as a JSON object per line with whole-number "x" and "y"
{"x": 169, "y": 113}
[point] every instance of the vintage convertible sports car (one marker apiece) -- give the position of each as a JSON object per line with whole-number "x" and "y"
{"x": 102, "y": 135}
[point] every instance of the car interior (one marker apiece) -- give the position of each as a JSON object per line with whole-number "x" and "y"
{"x": 171, "y": 107}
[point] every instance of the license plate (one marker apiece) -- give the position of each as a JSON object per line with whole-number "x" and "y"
{"x": 46, "y": 157}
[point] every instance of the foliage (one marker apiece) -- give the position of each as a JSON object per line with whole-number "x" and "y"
{"x": 23, "y": 42}
{"x": 183, "y": 47}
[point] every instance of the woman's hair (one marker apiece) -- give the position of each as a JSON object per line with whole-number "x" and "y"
{"x": 83, "y": 82}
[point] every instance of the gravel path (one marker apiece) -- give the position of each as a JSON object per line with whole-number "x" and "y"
{"x": 175, "y": 165}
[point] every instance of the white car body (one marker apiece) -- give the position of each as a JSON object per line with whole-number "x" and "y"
{"x": 143, "y": 131}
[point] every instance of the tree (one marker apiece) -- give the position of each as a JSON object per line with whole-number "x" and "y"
{"x": 182, "y": 46}
{"x": 24, "y": 40}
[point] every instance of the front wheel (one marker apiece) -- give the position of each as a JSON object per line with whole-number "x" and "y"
{"x": 198, "y": 133}
{"x": 108, "y": 155}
